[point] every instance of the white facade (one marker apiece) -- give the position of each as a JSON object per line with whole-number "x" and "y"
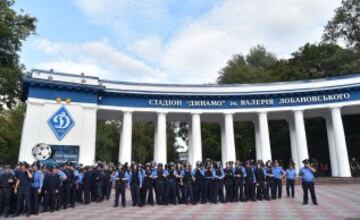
{"x": 110, "y": 104}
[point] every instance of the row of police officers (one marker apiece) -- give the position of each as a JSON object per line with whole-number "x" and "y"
{"x": 29, "y": 189}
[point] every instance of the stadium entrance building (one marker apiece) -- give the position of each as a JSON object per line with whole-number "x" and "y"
{"x": 62, "y": 111}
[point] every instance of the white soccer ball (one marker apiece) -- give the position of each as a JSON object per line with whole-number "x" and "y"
{"x": 41, "y": 151}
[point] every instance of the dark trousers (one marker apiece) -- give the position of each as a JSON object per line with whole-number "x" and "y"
{"x": 99, "y": 191}
{"x": 69, "y": 195}
{"x": 171, "y": 191}
{"x": 160, "y": 192}
{"x": 277, "y": 188}
{"x": 290, "y": 186}
{"x": 260, "y": 190}
{"x": 34, "y": 200}
{"x": 147, "y": 191}
{"x": 198, "y": 191}
{"x": 208, "y": 188}
{"x": 135, "y": 194}
{"x": 188, "y": 193}
{"x": 80, "y": 192}
{"x": 238, "y": 186}
{"x": 108, "y": 186}
{"x": 120, "y": 190}
{"x": 23, "y": 194}
{"x": 5, "y": 199}
{"x": 309, "y": 186}
{"x": 51, "y": 200}
{"x": 179, "y": 191}
{"x": 87, "y": 192}
{"x": 229, "y": 188}
{"x": 249, "y": 190}
{"x": 218, "y": 191}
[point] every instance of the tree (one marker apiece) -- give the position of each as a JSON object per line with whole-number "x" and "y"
{"x": 14, "y": 29}
{"x": 11, "y": 122}
{"x": 107, "y": 140}
{"x": 345, "y": 24}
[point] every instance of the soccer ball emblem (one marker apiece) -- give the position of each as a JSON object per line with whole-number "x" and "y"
{"x": 41, "y": 151}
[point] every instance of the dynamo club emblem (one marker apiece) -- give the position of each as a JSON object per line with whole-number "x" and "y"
{"x": 61, "y": 123}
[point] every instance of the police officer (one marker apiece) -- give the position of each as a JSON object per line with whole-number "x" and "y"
{"x": 187, "y": 180}
{"x": 7, "y": 180}
{"x": 229, "y": 182}
{"x": 51, "y": 187}
{"x": 99, "y": 182}
{"x": 249, "y": 182}
{"x": 208, "y": 183}
{"x": 23, "y": 189}
{"x": 290, "y": 180}
{"x": 269, "y": 180}
{"x": 179, "y": 185}
{"x": 36, "y": 187}
{"x": 107, "y": 182}
{"x": 147, "y": 187}
{"x": 198, "y": 183}
{"x": 279, "y": 174}
{"x": 120, "y": 177}
{"x": 171, "y": 183}
{"x": 135, "y": 182}
{"x": 307, "y": 177}
{"x": 260, "y": 181}
{"x": 159, "y": 175}
{"x": 86, "y": 184}
{"x": 219, "y": 175}
{"x": 239, "y": 172}
{"x": 69, "y": 186}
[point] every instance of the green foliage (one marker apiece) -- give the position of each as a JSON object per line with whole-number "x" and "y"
{"x": 345, "y": 24}
{"x": 14, "y": 29}
{"x": 107, "y": 140}
{"x": 11, "y": 122}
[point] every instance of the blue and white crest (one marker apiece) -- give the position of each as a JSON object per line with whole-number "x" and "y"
{"x": 61, "y": 123}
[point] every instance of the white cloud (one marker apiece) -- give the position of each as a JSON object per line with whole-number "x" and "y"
{"x": 158, "y": 46}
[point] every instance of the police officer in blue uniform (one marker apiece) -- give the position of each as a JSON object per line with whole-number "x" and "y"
{"x": 260, "y": 181}
{"x": 23, "y": 189}
{"x": 208, "y": 182}
{"x": 7, "y": 181}
{"x": 290, "y": 180}
{"x": 238, "y": 182}
{"x": 147, "y": 187}
{"x": 160, "y": 176}
{"x": 171, "y": 183}
{"x": 135, "y": 183}
{"x": 187, "y": 180}
{"x": 249, "y": 181}
{"x": 69, "y": 186}
{"x": 279, "y": 174}
{"x": 229, "y": 182}
{"x": 179, "y": 185}
{"x": 120, "y": 177}
{"x": 198, "y": 183}
{"x": 307, "y": 177}
{"x": 219, "y": 175}
{"x": 36, "y": 188}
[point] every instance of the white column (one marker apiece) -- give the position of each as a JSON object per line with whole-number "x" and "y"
{"x": 293, "y": 141}
{"x": 332, "y": 147}
{"x": 340, "y": 143}
{"x": 155, "y": 141}
{"x": 88, "y": 144}
{"x": 264, "y": 136}
{"x": 229, "y": 138}
{"x": 223, "y": 144}
{"x": 190, "y": 145}
{"x": 126, "y": 138}
{"x": 196, "y": 137}
{"x": 301, "y": 141}
{"x": 160, "y": 147}
{"x": 257, "y": 140}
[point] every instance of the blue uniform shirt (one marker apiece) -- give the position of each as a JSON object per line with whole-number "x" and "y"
{"x": 116, "y": 175}
{"x": 218, "y": 177}
{"x": 307, "y": 175}
{"x": 38, "y": 179}
{"x": 278, "y": 172}
{"x": 290, "y": 174}
{"x": 140, "y": 176}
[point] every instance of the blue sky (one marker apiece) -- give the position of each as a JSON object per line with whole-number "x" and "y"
{"x": 168, "y": 41}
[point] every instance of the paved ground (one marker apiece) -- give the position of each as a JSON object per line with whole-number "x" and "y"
{"x": 335, "y": 202}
